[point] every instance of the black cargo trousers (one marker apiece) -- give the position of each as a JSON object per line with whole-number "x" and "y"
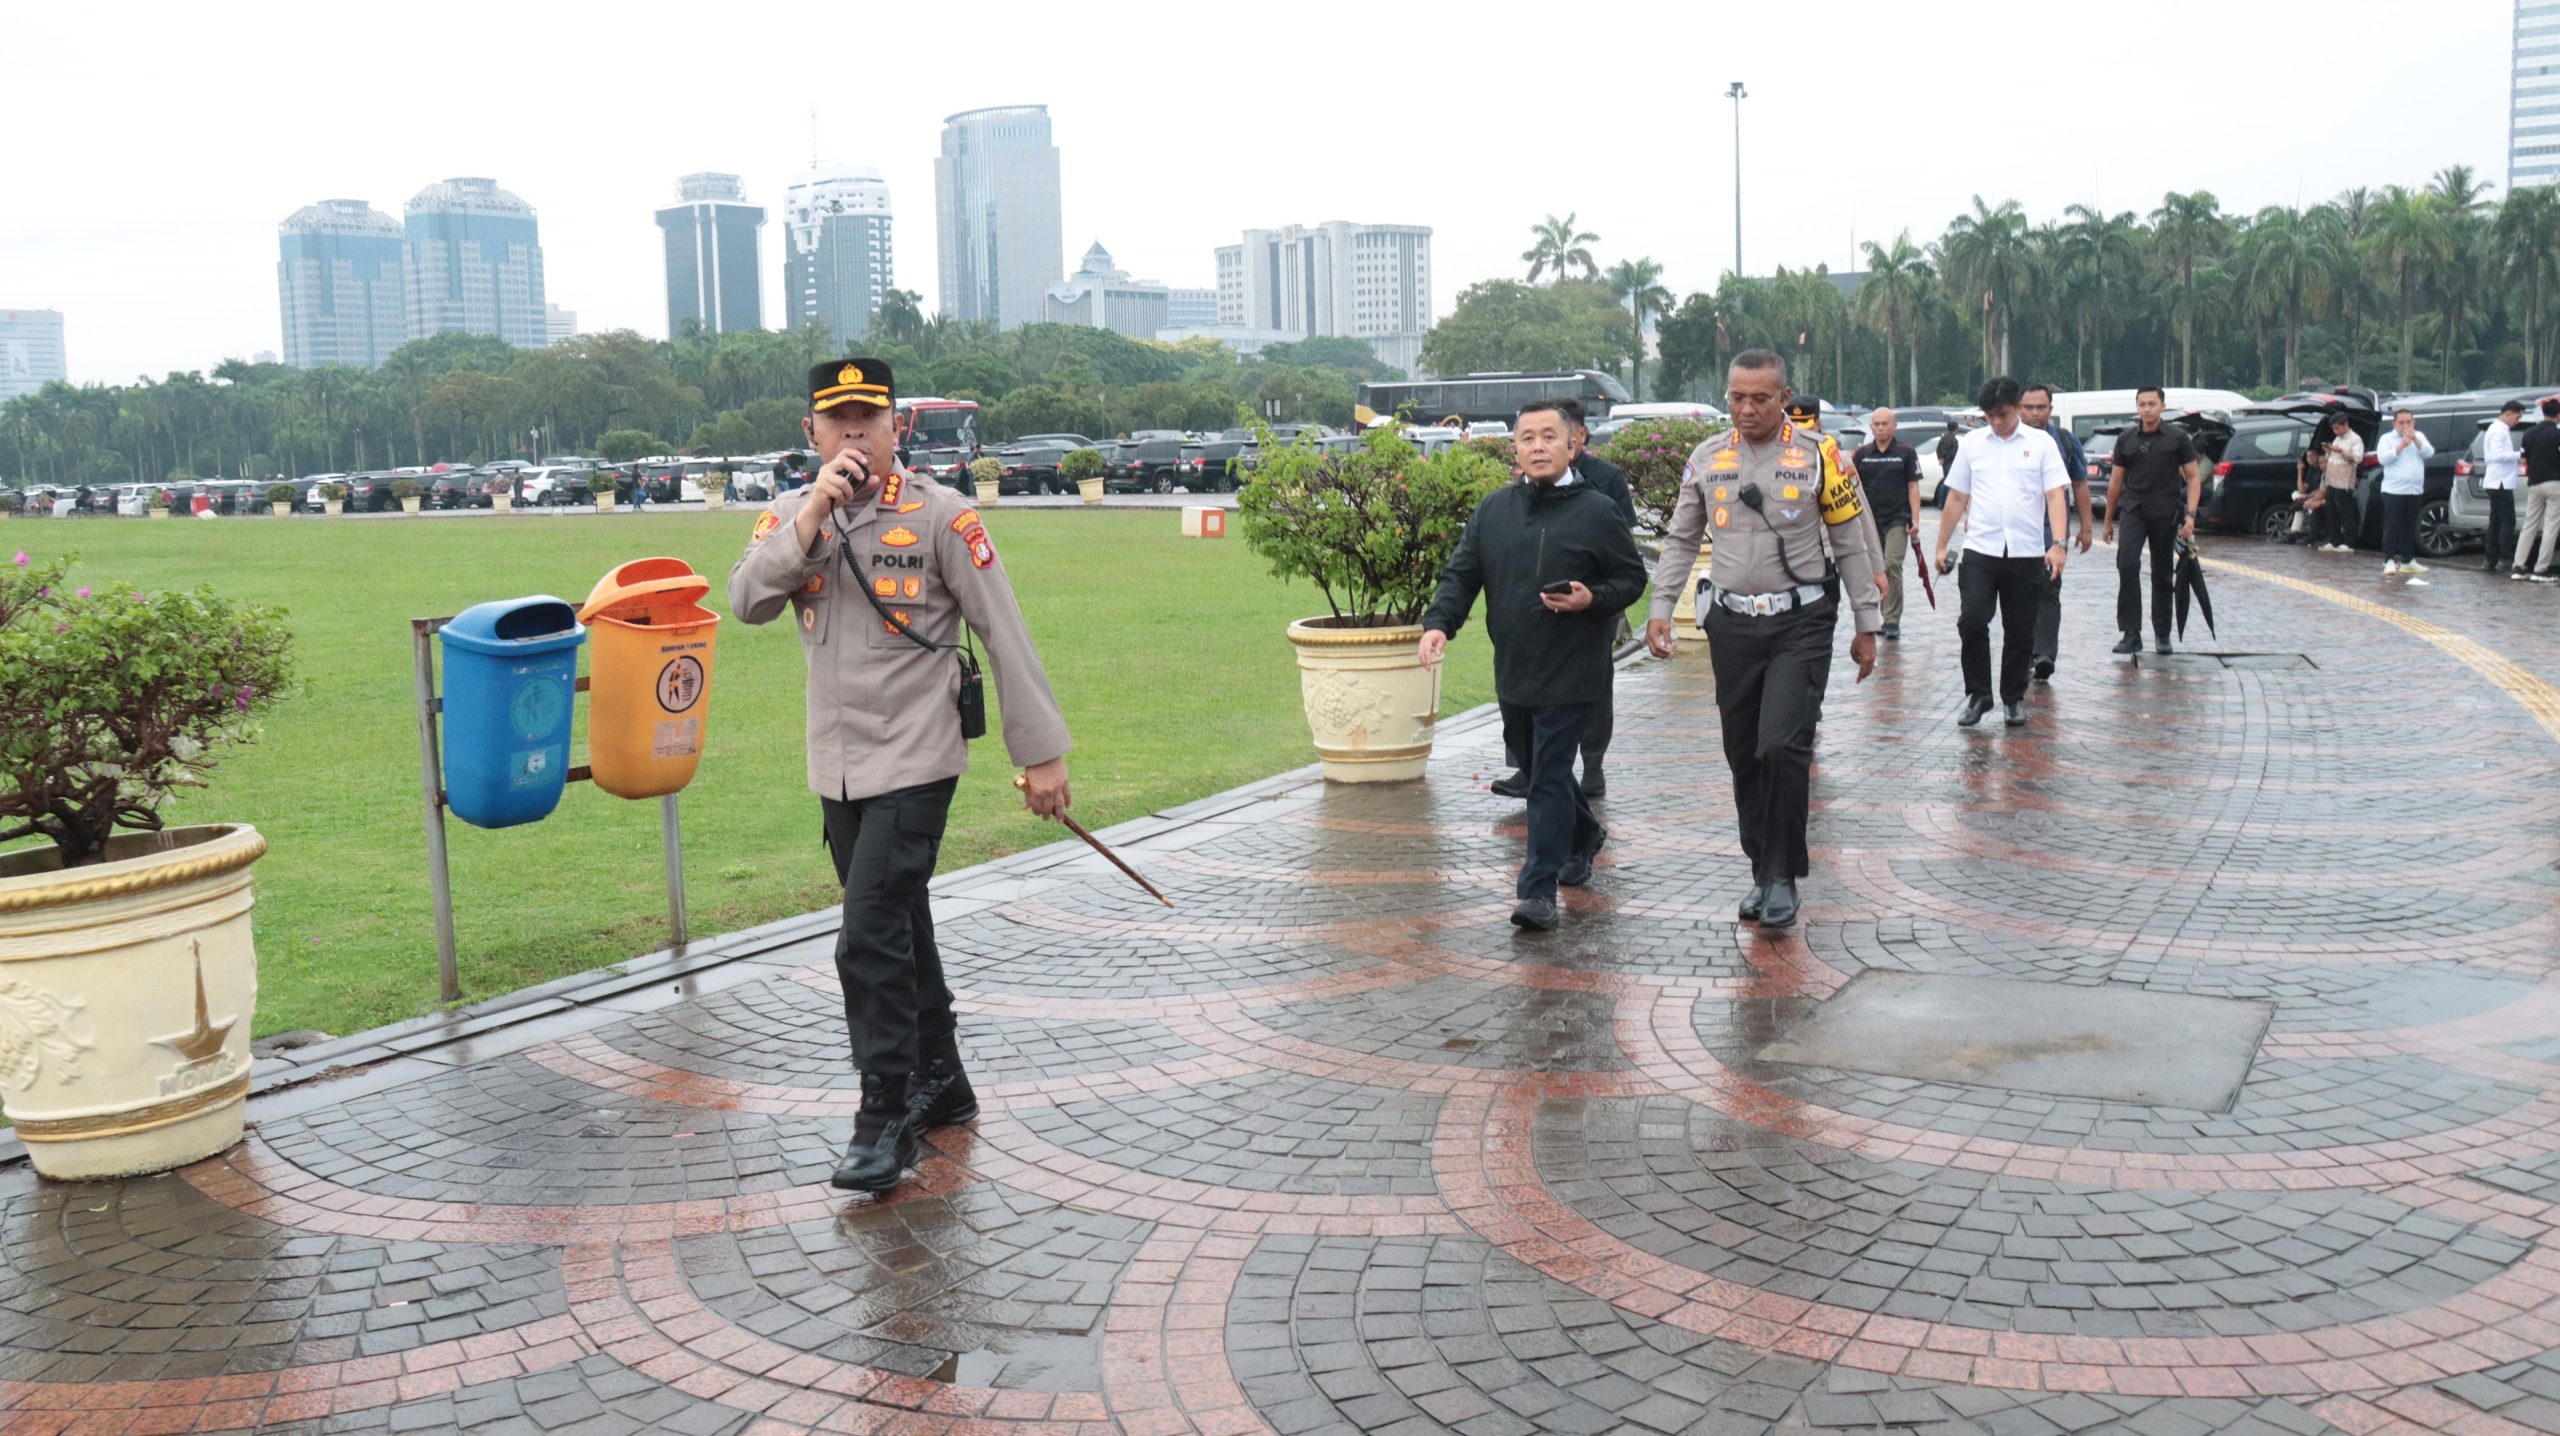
{"x": 884, "y": 848}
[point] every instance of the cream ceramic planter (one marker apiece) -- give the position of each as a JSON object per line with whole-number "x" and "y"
{"x": 1090, "y": 489}
{"x": 127, "y": 990}
{"x": 713, "y": 501}
{"x": 333, "y": 507}
{"x": 409, "y": 505}
{"x": 158, "y": 512}
{"x": 1370, "y": 703}
{"x": 604, "y": 503}
{"x": 989, "y": 490}
{"x": 503, "y": 503}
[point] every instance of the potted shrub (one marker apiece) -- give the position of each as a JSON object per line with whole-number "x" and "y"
{"x": 158, "y": 508}
{"x": 502, "y": 494}
{"x": 1654, "y": 452}
{"x": 1371, "y": 528}
{"x": 600, "y": 486}
{"x": 715, "y": 492}
{"x": 406, "y": 491}
{"x": 131, "y": 983}
{"x": 1083, "y": 468}
{"x": 333, "y": 499}
{"x": 987, "y": 472}
{"x": 280, "y": 499}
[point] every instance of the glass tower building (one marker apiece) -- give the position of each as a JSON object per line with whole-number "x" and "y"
{"x": 30, "y": 351}
{"x": 474, "y": 264}
{"x": 338, "y": 280}
{"x": 995, "y": 190}
{"x": 836, "y": 264}
{"x": 713, "y": 277}
{"x": 2533, "y": 99}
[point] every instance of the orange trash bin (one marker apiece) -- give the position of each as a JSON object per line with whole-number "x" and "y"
{"x": 649, "y": 676}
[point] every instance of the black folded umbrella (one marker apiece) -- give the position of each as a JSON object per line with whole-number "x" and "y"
{"x": 2190, "y": 582}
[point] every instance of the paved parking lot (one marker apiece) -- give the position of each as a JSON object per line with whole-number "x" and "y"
{"x": 1331, "y": 1148}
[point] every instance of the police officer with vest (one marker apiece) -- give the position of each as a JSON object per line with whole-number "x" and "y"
{"x": 1792, "y": 538}
{"x": 880, "y": 569}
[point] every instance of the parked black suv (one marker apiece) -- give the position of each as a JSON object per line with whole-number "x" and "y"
{"x": 1150, "y": 466}
{"x": 1033, "y": 468}
{"x": 2255, "y": 461}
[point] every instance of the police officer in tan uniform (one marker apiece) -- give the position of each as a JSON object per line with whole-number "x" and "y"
{"x": 885, "y": 748}
{"x": 1786, "y": 522}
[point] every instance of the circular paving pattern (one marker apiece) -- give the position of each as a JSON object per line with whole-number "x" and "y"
{"x": 1330, "y": 1148}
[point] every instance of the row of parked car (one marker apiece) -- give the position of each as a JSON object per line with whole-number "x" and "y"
{"x": 553, "y": 482}
{"x": 1151, "y": 461}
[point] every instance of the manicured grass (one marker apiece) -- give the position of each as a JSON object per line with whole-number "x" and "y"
{"x": 1166, "y": 653}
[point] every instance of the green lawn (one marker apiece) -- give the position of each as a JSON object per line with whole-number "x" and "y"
{"x": 1167, "y": 655}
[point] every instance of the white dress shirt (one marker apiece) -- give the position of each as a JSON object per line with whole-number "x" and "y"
{"x": 2504, "y": 457}
{"x": 2004, "y": 482}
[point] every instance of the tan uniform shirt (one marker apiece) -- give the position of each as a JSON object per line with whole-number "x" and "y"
{"x": 1807, "y": 498}
{"x": 883, "y": 713}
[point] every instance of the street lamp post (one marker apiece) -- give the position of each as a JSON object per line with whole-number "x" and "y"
{"x": 1737, "y": 94}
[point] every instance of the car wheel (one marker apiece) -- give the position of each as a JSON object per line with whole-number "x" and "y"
{"x": 2274, "y": 523}
{"x": 2436, "y": 535}
{"x": 1164, "y": 483}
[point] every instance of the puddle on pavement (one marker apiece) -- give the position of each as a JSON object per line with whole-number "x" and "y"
{"x": 968, "y": 1368}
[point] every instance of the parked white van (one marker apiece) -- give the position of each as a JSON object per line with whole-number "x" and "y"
{"x": 2088, "y": 410}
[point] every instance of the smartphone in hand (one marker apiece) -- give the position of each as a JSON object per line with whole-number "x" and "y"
{"x": 1560, "y": 588}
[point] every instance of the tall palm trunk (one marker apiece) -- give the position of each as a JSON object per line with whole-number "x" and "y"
{"x": 2408, "y": 324}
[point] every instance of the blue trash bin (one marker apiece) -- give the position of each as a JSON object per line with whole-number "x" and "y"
{"x": 510, "y": 684}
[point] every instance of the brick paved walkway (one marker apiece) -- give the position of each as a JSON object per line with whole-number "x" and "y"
{"x": 1332, "y": 1149}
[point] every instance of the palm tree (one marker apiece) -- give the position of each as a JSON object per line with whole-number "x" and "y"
{"x": 1989, "y": 253}
{"x": 2186, "y": 230}
{"x": 1639, "y": 282}
{"x": 2285, "y": 264}
{"x": 2408, "y": 237}
{"x": 2096, "y": 257}
{"x": 901, "y": 316}
{"x": 1559, "y": 248}
{"x": 2527, "y": 233}
{"x": 2460, "y": 199}
{"x": 2349, "y": 222}
{"x": 1897, "y": 282}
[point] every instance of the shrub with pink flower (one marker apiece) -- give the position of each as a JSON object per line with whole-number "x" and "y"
{"x": 109, "y": 704}
{"x": 1653, "y": 452}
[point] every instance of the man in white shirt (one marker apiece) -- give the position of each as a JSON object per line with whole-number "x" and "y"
{"x": 2503, "y": 458}
{"x": 2007, "y": 488}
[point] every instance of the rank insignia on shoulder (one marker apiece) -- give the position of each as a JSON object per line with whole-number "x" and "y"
{"x": 892, "y": 490}
{"x": 899, "y": 537}
{"x": 765, "y": 527}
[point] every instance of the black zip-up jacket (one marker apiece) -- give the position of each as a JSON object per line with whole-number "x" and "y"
{"x": 1609, "y": 482}
{"x": 1522, "y": 537}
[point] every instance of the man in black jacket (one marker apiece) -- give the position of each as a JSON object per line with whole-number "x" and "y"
{"x": 1610, "y": 482}
{"x": 1556, "y": 566}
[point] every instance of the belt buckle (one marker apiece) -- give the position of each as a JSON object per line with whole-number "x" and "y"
{"x": 1764, "y": 604}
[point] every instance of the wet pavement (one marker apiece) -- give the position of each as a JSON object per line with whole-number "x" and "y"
{"x": 1332, "y": 1149}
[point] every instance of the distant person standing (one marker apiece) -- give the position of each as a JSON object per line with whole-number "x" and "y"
{"x": 2008, "y": 478}
{"x": 1889, "y": 472}
{"x": 2035, "y": 410}
{"x": 2404, "y": 453}
{"x": 2541, "y": 452}
{"x": 2153, "y": 487}
{"x": 2345, "y": 453}
{"x": 1947, "y": 444}
{"x": 2502, "y": 464}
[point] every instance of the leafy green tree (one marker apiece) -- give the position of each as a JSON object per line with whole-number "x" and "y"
{"x": 621, "y": 446}
{"x": 1504, "y": 324}
{"x": 762, "y": 426}
{"x": 1353, "y": 356}
{"x": 1043, "y": 409}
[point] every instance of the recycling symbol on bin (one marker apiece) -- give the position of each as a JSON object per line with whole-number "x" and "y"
{"x": 680, "y": 683}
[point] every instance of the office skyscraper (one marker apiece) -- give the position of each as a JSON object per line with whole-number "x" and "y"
{"x": 2533, "y": 97}
{"x": 835, "y": 256}
{"x": 558, "y": 323}
{"x": 474, "y": 263}
{"x": 1362, "y": 281}
{"x": 995, "y": 191}
{"x": 339, "y": 280}
{"x": 713, "y": 277}
{"x": 30, "y": 351}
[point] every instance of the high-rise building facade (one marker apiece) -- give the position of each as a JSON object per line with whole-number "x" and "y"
{"x": 713, "y": 238}
{"x": 558, "y": 324}
{"x": 1100, "y": 296}
{"x": 2533, "y": 97}
{"x": 1361, "y": 281}
{"x": 1191, "y": 308}
{"x": 339, "y": 281}
{"x": 30, "y": 351}
{"x": 836, "y": 265}
{"x": 995, "y": 191}
{"x": 473, "y": 263}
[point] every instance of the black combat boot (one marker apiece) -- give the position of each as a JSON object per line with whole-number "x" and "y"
{"x": 884, "y": 1138}
{"x": 941, "y": 1095}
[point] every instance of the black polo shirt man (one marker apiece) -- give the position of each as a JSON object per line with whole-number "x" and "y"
{"x": 2151, "y": 496}
{"x": 1889, "y": 472}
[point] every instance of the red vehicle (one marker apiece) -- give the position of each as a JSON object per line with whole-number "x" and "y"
{"x": 937, "y": 424}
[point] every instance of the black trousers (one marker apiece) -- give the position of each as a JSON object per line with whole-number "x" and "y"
{"x": 2048, "y": 644}
{"x": 2015, "y": 586}
{"x": 2502, "y": 528}
{"x": 2337, "y": 518}
{"x": 1560, "y": 822}
{"x": 1770, "y": 675}
{"x": 2400, "y": 527}
{"x": 894, "y": 996}
{"x": 1595, "y": 734}
{"x": 2157, "y": 531}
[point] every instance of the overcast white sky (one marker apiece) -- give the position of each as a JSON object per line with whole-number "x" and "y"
{"x": 153, "y": 148}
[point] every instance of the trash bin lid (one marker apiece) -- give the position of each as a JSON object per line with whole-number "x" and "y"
{"x": 538, "y": 623}
{"x": 642, "y": 579}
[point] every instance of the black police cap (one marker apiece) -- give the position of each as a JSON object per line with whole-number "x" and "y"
{"x": 839, "y": 382}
